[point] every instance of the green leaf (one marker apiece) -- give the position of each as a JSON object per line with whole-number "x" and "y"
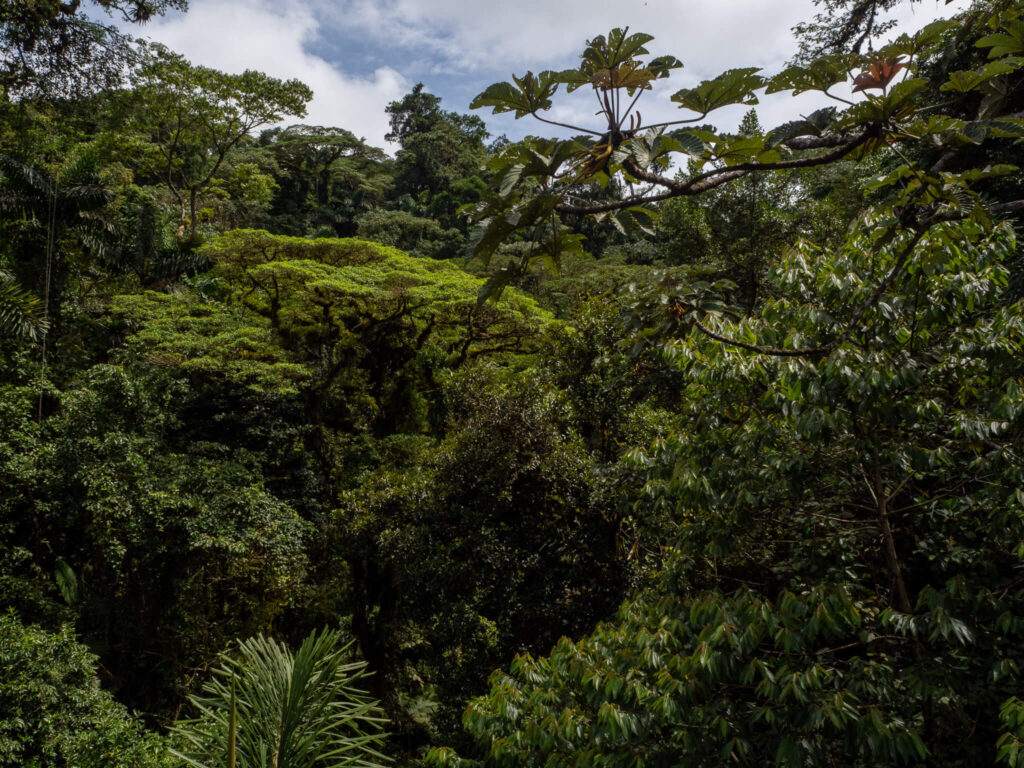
{"x": 67, "y": 582}
{"x": 654, "y": 146}
{"x": 689, "y": 142}
{"x": 745, "y": 149}
{"x": 495, "y": 284}
{"x": 899, "y": 103}
{"x": 735, "y": 86}
{"x": 663, "y": 65}
{"x": 615, "y": 49}
{"x": 21, "y": 313}
{"x": 964, "y": 81}
{"x": 813, "y": 125}
{"x": 632, "y": 220}
{"x": 531, "y": 93}
{"x": 820, "y": 75}
{"x": 611, "y": 62}
{"x": 1009, "y": 42}
{"x": 929, "y": 33}
{"x": 298, "y": 710}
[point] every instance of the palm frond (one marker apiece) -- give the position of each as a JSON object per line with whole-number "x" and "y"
{"x": 298, "y": 710}
{"x": 30, "y": 180}
{"x": 20, "y": 311}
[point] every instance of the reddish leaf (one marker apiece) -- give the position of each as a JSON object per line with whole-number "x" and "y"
{"x": 878, "y": 75}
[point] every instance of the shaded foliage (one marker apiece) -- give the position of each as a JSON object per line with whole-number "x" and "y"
{"x": 53, "y": 712}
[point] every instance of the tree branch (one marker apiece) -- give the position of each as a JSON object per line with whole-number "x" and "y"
{"x": 851, "y": 325}
{"x": 719, "y": 176}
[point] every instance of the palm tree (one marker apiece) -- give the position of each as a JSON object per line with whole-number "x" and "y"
{"x": 268, "y": 708}
{"x": 50, "y": 206}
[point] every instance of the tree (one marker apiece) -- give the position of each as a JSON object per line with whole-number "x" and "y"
{"x": 417, "y": 235}
{"x": 736, "y": 232}
{"x": 53, "y": 711}
{"x": 52, "y": 48}
{"x": 840, "y": 486}
{"x": 50, "y": 213}
{"x": 438, "y": 147}
{"x": 196, "y": 116}
{"x": 268, "y": 706}
{"x": 417, "y": 112}
{"x": 536, "y": 180}
{"x": 843, "y": 580}
{"x": 433, "y": 161}
{"x": 311, "y": 151}
{"x": 499, "y": 539}
{"x": 178, "y": 539}
{"x": 374, "y": 325}
{"x": 845, "y": 26}
{"x": 328, "y": 176}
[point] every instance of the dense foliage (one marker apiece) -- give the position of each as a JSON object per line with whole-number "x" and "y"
{"x": 711, "y": 448}
{"x": 53, "y": 711}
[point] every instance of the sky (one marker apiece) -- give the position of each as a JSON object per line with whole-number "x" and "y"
{"x": 360, "y": 55}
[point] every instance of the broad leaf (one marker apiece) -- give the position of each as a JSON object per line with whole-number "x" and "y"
{"x": 531, "y": 93}
{"x": 736, "y": 86}
{"x": 813, "y": 125}
{"x": 820, "y": 75}
{"x": 1009, "y": 42}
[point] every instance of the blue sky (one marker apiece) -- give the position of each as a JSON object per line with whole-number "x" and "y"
{"x": 359, "y": 55}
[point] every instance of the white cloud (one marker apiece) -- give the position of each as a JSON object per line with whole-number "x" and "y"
{"x": 488, "y": 35}
{"x": 274, "y": 38}
{"x": 488, "y": 40}
{"x": 479, "y": 41}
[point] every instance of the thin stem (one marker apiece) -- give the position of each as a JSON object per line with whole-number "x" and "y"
{"x": 632, "y": 104}
{"x": 565, "y": 125}
{"x": 838, "y": 98}
{"x": 51, "y": 225}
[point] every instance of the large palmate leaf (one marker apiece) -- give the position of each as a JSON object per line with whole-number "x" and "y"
{"x": 530, "y": 93}
{"x": 969, "y": 80}
{"x": 735, "y": 86}
{"x": 614, "y": 50}
{"x": 815, "y": 124}
{"x": 1008, "y": 42}
{"x": 611, "y": 62}
{"x": 745, "y": 149}
{"x": 900, "y": 103}
{"x": 820, "y": 75}
{"x": 655, "y": 146}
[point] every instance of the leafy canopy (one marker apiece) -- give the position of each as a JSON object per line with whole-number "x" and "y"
{"x": 541, "y": 180}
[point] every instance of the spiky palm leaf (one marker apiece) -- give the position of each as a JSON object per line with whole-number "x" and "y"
{"x": 20, "y": 311}
{"x": 293, "y": 711}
